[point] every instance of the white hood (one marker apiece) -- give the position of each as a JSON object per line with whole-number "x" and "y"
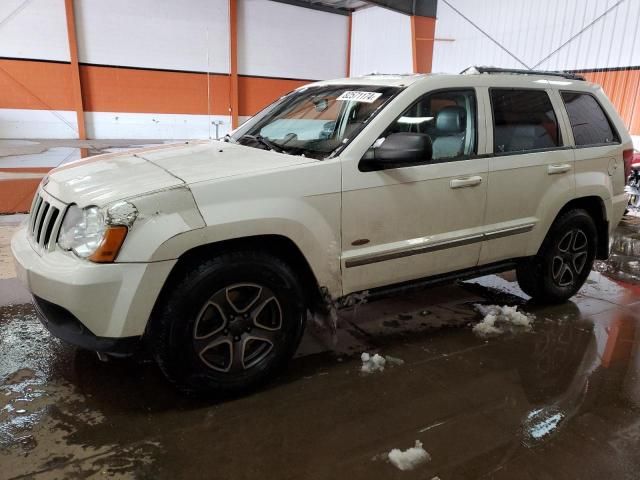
{"x": 103, "y": 179}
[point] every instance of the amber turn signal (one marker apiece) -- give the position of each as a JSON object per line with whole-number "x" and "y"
{"x": 110, "y": 246}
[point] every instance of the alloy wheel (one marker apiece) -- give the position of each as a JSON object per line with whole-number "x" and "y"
{"x": 238, "y": 327}
{"x": 570, "y": 257}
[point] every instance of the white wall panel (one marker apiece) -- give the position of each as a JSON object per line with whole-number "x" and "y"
{"x": 167, "y": 34}
{"x": 19, "y": 123}
{"x": 154, "y": 126}
{"x": 35, "y": 29}
{"x": 280, "y": 40}
{"x": 380, "y": 42}
{"x": 533, "y": 30}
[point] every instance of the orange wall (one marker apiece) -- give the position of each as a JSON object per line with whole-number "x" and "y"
{"x": 35, "y": 85}
{"x": 17, "y": 194}
{"x": 46, "y": 85}
{"x": 119, "y": 89}
{"x": 623, "y": 89}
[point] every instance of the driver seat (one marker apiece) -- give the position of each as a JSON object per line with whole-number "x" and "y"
{"x": 451, "y": 124}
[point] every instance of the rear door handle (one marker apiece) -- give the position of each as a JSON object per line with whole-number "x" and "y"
{"x": 558, "y": 168}
{"x": 465, "y": 182}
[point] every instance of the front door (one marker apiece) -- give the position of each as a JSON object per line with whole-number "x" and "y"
{"x": 416, "y": 219}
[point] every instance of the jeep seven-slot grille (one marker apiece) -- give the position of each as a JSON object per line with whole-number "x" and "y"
{"x": 43, "y": 222}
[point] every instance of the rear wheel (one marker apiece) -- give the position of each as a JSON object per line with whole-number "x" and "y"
{"x": 230, "y": 324}
{"x": 564, "y": 260}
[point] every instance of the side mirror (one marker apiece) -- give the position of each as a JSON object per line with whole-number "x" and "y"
{"x": 398, "y": 149}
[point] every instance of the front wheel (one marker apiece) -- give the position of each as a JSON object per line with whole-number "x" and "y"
{"x": 229, "y": 324}
{"x": 564, "y": 260}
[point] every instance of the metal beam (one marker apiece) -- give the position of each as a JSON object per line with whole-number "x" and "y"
{"x": 76, "y": 85}
{"x": 233, "y": 54}
{"x": 315, "y": 6}
{"x": 420, "y": 8}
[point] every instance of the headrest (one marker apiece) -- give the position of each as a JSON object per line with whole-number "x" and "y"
{"x": 451, "y": 119}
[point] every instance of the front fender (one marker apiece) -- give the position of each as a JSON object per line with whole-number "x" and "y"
{"x": 161, "y": 216}
{"x": 307, "y": 226}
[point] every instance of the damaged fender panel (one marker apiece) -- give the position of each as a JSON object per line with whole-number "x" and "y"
{"x": 161, "y": 216}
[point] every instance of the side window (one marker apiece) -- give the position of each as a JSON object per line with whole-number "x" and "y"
{"x": 523, "y": 120}
{"x": 589, "y": 123}
{"x": 448, "y": 117}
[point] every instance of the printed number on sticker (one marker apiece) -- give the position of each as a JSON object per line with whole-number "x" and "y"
{"x": 356, "y": 96}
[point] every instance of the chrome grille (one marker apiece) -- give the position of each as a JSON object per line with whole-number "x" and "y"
{"x": 44, "y": 221}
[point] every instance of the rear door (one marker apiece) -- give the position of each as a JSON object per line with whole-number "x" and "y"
{"x": 531, "y": 170}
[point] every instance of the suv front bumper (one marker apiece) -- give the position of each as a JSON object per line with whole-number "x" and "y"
{"x": 101, "y": 307}
{"x": 64, "y": 325}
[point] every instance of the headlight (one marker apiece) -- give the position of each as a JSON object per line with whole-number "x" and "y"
{"x": 82, "y": 230}
{"x": 96, "y": 235}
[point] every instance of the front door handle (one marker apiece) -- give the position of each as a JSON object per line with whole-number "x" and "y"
{"x": 558, "y": 168}
{"x": 465, "y": 182}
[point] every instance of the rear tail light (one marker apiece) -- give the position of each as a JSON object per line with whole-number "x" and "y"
{"x": 627, "y": 158}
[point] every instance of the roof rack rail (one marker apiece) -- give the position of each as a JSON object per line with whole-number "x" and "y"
{"x": 521, "y": 71}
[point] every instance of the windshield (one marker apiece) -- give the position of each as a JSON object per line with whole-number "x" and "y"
{"x": 314, "y": 121}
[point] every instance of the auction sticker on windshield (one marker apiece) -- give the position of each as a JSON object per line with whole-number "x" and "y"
{"x": 357, "y": 96}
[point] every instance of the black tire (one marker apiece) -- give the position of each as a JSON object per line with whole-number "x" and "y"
{"x": 564, "y": 260}
{"x": 231, "y": 302}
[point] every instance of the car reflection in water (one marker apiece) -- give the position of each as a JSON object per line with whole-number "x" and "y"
{"x": 623, "y": 265}
{"x": 555, "y": 379}
{"x": 575, "y": 367}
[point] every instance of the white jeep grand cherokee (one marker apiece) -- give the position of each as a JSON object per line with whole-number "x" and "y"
{"x": 212, "y": 252}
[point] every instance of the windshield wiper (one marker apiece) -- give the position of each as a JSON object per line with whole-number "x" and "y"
{"x": 267, "y": 143}
{"x": 228, "y": 138}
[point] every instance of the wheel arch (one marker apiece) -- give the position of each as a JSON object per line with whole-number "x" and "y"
{"x": 279, "y": 246}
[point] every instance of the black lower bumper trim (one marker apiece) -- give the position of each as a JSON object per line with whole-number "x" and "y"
{"x": 64, "y": 325}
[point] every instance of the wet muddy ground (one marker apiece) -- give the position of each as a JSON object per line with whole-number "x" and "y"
{"x": 558, "y": 401}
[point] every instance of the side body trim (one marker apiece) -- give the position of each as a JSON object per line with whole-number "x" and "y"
{"x": 424, "y": 246}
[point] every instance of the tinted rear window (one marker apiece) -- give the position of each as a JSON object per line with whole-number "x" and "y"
{"x": 523, "y": 120}
{"x": 589, "y": 123}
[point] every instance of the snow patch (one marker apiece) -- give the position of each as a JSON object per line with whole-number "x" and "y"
{"x": 498, "y": 319}
{"x": 376, "y": 363}
{"x": 409, "y": 458}
{"x": 372, "y": 363}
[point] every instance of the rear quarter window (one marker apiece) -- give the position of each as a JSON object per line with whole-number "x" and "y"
{"x": 589, "y": 122}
